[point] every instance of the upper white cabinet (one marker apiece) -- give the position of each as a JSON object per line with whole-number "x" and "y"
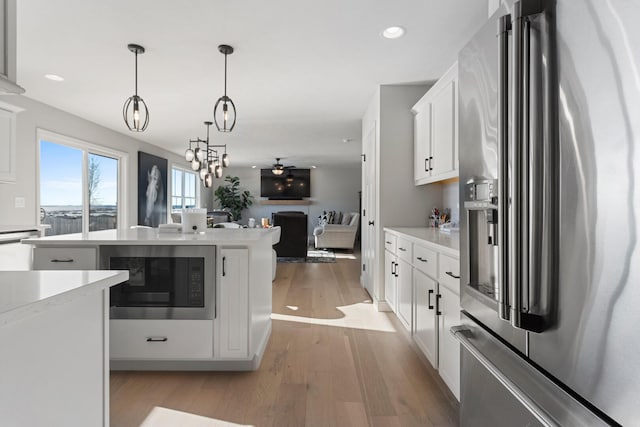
{"x": 436, "y": 131}
{"x": 8, "y": 143}
{"x": 8, "y": 48}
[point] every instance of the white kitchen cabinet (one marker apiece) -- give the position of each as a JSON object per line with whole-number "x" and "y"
{"x": 65, "y": 258}
{"x": 8, "y": 143}
{"x": 232, "y": 305}
{"x": 426, "y": 321}
{"x": 8, "y": 48}
{"x": 436, "y": 131}
{"x": 448, "y": 304}
{"x": 161, "y": 339}
{"x": 404, "y": 272}
{"x": 390, "y": 279}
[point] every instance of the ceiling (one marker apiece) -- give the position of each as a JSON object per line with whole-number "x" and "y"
{"x": 301, "y": 75}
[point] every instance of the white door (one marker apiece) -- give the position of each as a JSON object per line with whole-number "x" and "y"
{"x": 448, "y": 346}
{"x": 390, "y": 281}
{"x": 404, "y": 292}
{"x": 443, "y": 126}
{"x": 369, "y": 191}
{"x": 422, "y": 142}
{"x": 232, "y": 340}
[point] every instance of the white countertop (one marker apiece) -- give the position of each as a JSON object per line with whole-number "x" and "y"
{"x": 24, "y": 293}
{"x": 446, "y": 242}
{"x": 143, "y": 236}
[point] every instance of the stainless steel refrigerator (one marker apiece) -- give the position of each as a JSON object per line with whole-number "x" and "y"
{"x": 549, "y": 139}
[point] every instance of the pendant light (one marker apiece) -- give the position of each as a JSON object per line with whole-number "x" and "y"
{"x": 205, "y": 159}
{"x": 225, "y": 117}
{"x": 135, "y": 111}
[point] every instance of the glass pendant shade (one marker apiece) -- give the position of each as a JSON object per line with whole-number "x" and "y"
{"x": 135, "y": 112}
{"x": 195, "y": 164}
{"x": 277, "y": 171}
{"x": 203, "y": 172}
{"x": 208, "y": 180}
{"x": 218, "y": 171}
{"x": 225, "y": 160}
{"x": 189, "y": 155}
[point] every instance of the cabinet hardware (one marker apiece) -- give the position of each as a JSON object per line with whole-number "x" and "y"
{"x": 448, "y": 273}
{"x": 403, "y": 249}
{"x": 421, "y": 259}
{"x": 429, "y": 305}
{"x": 371, "y": 222}
{"x": 387, "y": 242}
{"x": 224, "y": 272}
{"x": 430, "y": 163}
{"x": 62, "y": 260}
{"x": 426, "y": 168}
{"x": 157, "y": 339}
{"x": 438, "y": 312}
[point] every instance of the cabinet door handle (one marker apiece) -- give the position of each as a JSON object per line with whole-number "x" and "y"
{"x": 157, "y": 339}
{"x": 421, "y": 259}
{"x": 402, "y": 249}
{"x": 429, "y": 293}
{"x": 426, "y": 168}
{"x": 387, "y": 242}
{"x": 371, "y": 223}
{"x": 438, "y": 312}
{"x": 62, "y": 260}
{"x": 430, "y": 163}
{"x": 448, "y": 273}
{"x": 224, "y": 261}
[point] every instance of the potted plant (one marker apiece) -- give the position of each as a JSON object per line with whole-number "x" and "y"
{"x": 231, "y": 198}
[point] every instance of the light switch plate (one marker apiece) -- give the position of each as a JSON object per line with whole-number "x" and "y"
{"x": 19, "y": 202}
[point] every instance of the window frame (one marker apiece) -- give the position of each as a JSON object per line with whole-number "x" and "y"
{"x": 197, "y": 189}
{"x": 86, "y": 148}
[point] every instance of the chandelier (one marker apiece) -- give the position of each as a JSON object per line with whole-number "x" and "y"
{"x": 207, "y": 158}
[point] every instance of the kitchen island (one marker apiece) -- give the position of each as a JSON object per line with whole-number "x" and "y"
{"x": 54, "y": 364}
{"x": 231, "y": 336}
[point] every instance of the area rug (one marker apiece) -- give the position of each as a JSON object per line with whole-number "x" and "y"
{"x": 313, "y": 256}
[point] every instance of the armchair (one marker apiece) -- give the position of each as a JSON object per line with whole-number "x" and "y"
{"x": 338, "y": 236}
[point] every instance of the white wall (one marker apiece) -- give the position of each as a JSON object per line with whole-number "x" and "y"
{"x": 450, "y": 199}
{"x": 39, "y": 115}
{"x": 332, "y": 188}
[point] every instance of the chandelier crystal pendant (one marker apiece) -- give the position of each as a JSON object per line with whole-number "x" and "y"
{"x": 224, "y": 112}
{"x": 135, "y": 111}
{"x": 205, "y": 159}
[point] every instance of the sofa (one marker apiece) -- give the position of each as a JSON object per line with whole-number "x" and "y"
{"x": 338, "y": 236}
{"x": 293, "y": 234}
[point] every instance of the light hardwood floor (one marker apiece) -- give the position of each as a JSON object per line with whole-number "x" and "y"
{"x": 332, "y": 360}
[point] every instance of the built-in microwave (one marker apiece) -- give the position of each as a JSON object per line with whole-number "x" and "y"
{"x": 165, "y": 282}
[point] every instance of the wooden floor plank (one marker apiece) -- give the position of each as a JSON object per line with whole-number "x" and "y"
{"x": 332, "y": 360}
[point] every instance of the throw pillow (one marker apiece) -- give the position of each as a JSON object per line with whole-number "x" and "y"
{"x": 346, "y": 219}
{"x": 339, "y": 218}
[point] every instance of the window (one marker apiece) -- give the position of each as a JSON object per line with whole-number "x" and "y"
{"x": 79, "y": 186}
{"x": 184, "y": 189}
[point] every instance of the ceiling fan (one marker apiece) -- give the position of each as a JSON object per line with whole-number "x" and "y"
{"x": 278, "y": 168}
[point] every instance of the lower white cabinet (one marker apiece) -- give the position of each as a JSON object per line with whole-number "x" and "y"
{"x": 404, "y": 274}
{"x": 65, "y": 258}
{"x": 160, "y": 339}
{"x": 448, "y": 304}
{"x": 232, "y": 305}
{"x": 426, "y": 322}
{"x": 390, "y": 282}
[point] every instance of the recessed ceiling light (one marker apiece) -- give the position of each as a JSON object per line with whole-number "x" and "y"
{"x": 54, "y": 77}
{"x": 394, "y": 32}
{"x": 314, "y": 166}
{"x": 253, "y": 167}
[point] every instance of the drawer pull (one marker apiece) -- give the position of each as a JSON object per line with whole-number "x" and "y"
{"x": 62, "y": 260}
{"x": 421, "y": 259}
{"x": 387, "y": 242}
{"x": 429, "y": 305}
{"x": 448, "y": 273}
{"x": 157, "y": 339}
{"x": 402, "y": 249}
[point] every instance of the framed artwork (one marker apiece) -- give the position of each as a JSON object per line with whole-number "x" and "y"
{"x": 152, "y": 190}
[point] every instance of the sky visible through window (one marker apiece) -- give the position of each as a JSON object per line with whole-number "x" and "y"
{"x": 61, "y": 176}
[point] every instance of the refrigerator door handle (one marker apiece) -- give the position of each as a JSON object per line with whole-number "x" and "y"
{"x": 463, "y": 334}
{"x": 504, "y": 26}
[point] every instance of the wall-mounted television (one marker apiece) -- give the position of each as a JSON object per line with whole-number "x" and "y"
{"x": 292, "y": 184}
